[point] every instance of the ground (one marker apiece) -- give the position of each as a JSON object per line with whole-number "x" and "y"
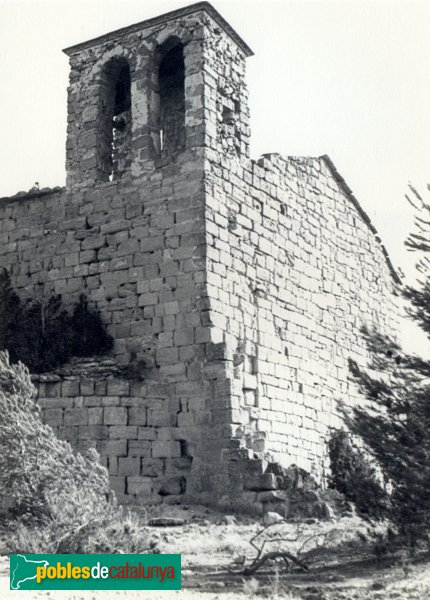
{"x": 349, "y": 566}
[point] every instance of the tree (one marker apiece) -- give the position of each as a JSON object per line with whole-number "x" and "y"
{"x": 355, "y": 477}
{"x": 53, "y": 499}
{"x": 42, "y": 333}
{"x": 395, "y": 424}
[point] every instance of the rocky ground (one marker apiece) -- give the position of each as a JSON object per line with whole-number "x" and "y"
{"x": 345, "y": 560}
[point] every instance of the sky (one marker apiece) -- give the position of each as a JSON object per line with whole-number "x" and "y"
{"x": 350, "y": 79}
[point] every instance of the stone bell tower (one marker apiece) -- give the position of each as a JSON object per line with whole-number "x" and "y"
{"x": 154, "y": 93}
{"x": 151, "y": 109}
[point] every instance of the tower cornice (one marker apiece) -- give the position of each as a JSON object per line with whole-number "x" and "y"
{"x": 165, "y": 18}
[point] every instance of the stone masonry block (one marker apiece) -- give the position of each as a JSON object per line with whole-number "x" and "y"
{"x": 185, "y": 419}
{"x": 152, "y": 467}
{"x": 138, "y": 388}
{"x": 139, "y": 486}
{"x": 182, "y": 463}
{"x": 115, "y": 415}
{"x": 92, "y": 401}
{"x": 148, "y": 299}
{"x": 111, "y": 463}
{"x": 76, "y": 416}
{"x": 129, "y": 401}
{"x": 165, "y": 449}
{"x": 112, "y": 447}
{"x": 140, "y": 448}
{"x": 93, "y": 432}
{"x": 118, "y": 387}
{"x": 55, "y": 402}
{"x": 70, "y": 388}
{"x": 83, "y": 446}
{"x": 125, "y": 432}
{"x": 110, "y": 401}
{"x": 146, "y": 433}
{"x": 68, "y": 433}
{"x": 78, "y": 402}
{"x": 100, "y": 388}
{"x": 172, "y": 486}
{"x": 87, "y": 387}
{"x": 117, "y": 484}
{"x": 128, "y": 466}
{"x": 173, "y": 373}
{"x": 184, "y": 337}
{"x": 137, "y": 415}
{"x": 53, "y": 416}
{"x": 267, "y": 481}
{"x": 95, "y": 416}
{"x": 52, "y": 390}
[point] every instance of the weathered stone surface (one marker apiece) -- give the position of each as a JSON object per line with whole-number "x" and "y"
{"x": 229, "y": 520}
{"x": 139, "y": 448}
{"x": 140, "y": 486}
{"x": 53, "y": 416}
{"x": 115, "y": 415}
{"x": 117, "y": 387}
{"x": 128, "y": 466}
{"x": 172, "y": 486}
{"x": 166, "y": 449}
{"x": 270, "y": 518}
{"x": 267, "y": 481}
{"x": 70, "y": 388}
{"x": 234, "y": 289}
{"x": 271, "y": 496}
{"x": 113, "y": 447}
{"x": 152, "y": 467}
{"x": 137, "y": 415}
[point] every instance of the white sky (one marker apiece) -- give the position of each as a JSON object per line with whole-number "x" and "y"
{"x": 348, "y": 79}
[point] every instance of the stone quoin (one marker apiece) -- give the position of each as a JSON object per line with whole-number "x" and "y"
{"x": 235, "y": 288}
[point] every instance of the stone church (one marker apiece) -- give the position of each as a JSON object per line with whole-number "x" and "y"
{"x": 236, "y": 288}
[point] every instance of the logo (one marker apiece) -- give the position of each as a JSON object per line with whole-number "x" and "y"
{"x": 95, "y": 571}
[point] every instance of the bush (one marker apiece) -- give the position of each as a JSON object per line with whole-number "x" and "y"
{"x": 88, "y": 335}
{"x": 353, "y": 476}
{"x": 61, "y": 500}
{"x": 108, "y": 531}
{"x": 43, "y": 335}
{"x": 395, "y": 426}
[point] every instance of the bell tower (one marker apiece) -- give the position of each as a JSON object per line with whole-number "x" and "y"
{"x": 157, "y": 92}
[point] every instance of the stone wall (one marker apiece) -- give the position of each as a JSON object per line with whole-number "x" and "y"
{"x": 134, "y": 425}
{"x": 234, "y": 289}
{"x": 138, "y": 253}
{"x": 295, "y": 270}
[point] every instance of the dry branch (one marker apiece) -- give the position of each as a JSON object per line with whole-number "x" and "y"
{"x": 262, "y": 556}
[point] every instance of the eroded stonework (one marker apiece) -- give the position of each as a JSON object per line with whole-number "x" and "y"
{"x": 234, "y": 289}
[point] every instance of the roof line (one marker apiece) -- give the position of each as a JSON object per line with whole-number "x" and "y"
{"x": 32, "y": 194}
{"x": 174, "y": 14}
{"x": 345, "y": 187}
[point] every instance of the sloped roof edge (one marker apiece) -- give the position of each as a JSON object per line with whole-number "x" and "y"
{"x": 349, "y": 193}
{"x": 164, "y": 18}
{"x": 32, "y": 194}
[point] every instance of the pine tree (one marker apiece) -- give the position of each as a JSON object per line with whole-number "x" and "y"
{"x": 42, "y": 334}
{"x": 395, "y": 424}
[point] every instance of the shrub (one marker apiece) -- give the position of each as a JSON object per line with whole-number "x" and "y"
{"x": 61, "y": 500}
{"x": 89, "y": 337}
{"x": 108, "y": 531}
{"x": 43, "y": 335}
{"x": 353, "y": 475}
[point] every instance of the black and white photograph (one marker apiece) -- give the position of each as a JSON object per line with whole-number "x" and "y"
{"x": 215, "y": 300}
